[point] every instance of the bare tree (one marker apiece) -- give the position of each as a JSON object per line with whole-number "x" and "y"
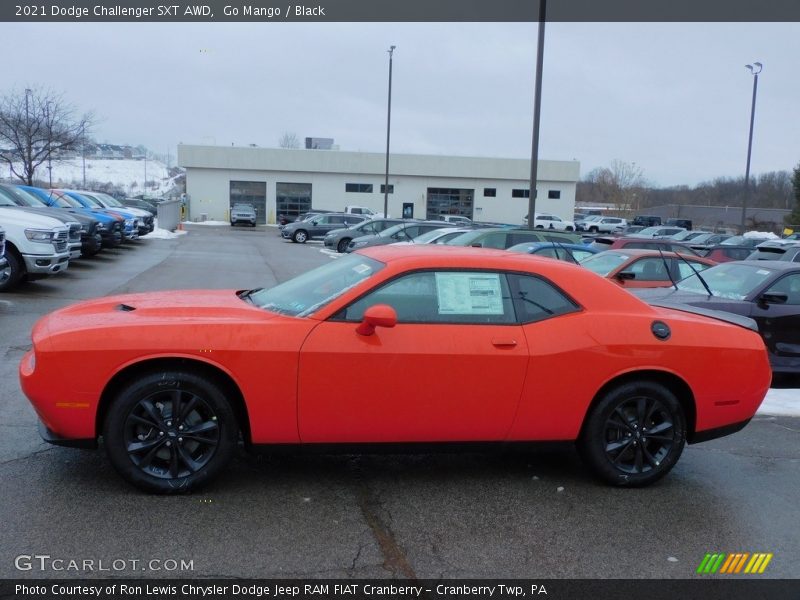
{"x": 621, "y": 184}
{"x": 288, "y": 140}
{"x": 36, "y": 127}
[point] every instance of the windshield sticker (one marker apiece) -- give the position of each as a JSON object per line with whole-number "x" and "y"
{"x": 361, "y": 269}
{"x": 469, "y": 294}
{"x": 762, "y": 272}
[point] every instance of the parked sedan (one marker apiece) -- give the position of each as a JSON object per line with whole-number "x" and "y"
{"x": 318, "y": 226}
{"x": 658, "y": 232}
{"x": 645, "y": 268}
{"x": 632, "y": 242}
{"x": 137, "y": 368}
{"x": 767, "y": 291}
{"x": 402, "y": 232}
{"x": 339, "y": 239}
{"x": 777, "y": 250}
{"x": 503, "y": 238}
{"x": 573, "y": 253}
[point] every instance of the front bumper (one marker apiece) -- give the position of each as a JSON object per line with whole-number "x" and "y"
{"x": 75, "y": 250}
{"x": 37, "y": 264}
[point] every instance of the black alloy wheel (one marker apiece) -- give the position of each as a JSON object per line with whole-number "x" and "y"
{"x": 341, "y": 248}
{"x": 170, "y": 432}
{"x": 635, "y": 434}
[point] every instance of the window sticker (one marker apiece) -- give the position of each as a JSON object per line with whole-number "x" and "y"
{"x": 469, "y": 293}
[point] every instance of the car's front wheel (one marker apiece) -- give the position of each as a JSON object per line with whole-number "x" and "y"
{"x": 170, "y": 431}
{"x": 13, "y": 272}
{"x": 634, "y": 435}
{"x": 341, "y": 248}
{"x": 300, "y": 236}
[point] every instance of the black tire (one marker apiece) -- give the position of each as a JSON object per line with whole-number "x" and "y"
{"x": 157, "y": 452}
{"x": 593, "y": 230}
{"x": 570, "y": 228}
{"x": 539, "y": 227}
{"x": 341, "y": 247}
{"x": 634, "y": 435}
{"x": 300, "y": 236}
{"x": 13, "y": 273}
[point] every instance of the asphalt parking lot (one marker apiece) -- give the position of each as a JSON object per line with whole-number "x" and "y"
{"x": 425, "y": 516}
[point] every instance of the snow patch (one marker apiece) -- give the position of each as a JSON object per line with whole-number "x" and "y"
{"x": 761, "y": 235}
{"x": 211, "y": 223}
{"x": 164, "y": 234}
{"x": 783, "y": 403}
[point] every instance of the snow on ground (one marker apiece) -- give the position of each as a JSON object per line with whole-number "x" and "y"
{"x": 212, "y": 223}
{"x": 784, "y": 403}
{"x": 164, "y": 234}
{"x": 126, "y": 173}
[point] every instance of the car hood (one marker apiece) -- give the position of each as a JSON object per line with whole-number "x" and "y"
{"x": 13, "y": 215}
{"x": 185, "y": 306}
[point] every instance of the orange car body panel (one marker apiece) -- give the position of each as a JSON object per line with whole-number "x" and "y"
{"x": 316, "y": 380}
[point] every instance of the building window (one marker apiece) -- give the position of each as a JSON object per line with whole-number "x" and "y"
{"x": 292, "y": 199}
{"x": 447, "y": 201}
{"x": 364, "y": 188}
{"x": 554, "y": 194}
{"x": 490, "y": 192}
{"x": 520, "y": 193}
{"x": 383, "y": 188}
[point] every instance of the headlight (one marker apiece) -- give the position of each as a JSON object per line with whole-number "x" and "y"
{"x": 39, "y": 235}
{"x": 100, "y": 227}
{"x": 128, "y": 222}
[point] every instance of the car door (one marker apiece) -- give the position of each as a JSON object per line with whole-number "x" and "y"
{"x": 452, "y": 368}
{"x": 779, "y": 324}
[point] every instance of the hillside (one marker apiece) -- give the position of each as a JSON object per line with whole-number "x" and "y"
{"x": 125, "y": 176}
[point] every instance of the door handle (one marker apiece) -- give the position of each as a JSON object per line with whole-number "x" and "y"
{"x": 504, "y": 342}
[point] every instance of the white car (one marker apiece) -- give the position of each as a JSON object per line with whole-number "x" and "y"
{"x": 546, "y": 221}
{"x": 603, "y": 224}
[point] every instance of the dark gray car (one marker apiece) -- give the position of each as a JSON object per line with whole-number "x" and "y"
{"x": 402, "y": 232}
{"x": 339, "y": 239}
{"x": 318, "y": 226}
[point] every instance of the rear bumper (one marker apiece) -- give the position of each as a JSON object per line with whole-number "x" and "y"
{"x": 52, "y": 438}
{"x": 717, "y": 432}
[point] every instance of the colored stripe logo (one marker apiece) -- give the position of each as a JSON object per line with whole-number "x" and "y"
{"x": 735, "y": 563}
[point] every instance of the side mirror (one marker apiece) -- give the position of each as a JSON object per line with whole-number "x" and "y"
{"x": 379, "y": 315}
{"x": 623, "y": 275}
{"x": 315, "y": 222}
{"x": 773, "y": 298}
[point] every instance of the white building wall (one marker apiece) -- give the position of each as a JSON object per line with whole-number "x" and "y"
{"x": 210, "y": 169}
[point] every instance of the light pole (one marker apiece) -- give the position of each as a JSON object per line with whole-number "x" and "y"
{"x": 537, "y": 108}
{"x": 754, "y": 69}
{"x": 388, "y": 132}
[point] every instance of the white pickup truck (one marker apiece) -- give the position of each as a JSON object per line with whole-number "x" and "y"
{"x": 35, "y": 246}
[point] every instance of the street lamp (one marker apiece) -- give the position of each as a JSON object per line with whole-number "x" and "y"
{"x": 754, "y": 69}
{"x": 537, "y": 108}
{"x": 388, "y": 131}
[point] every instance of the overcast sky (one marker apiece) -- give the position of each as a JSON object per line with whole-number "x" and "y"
{"x": 673, "y": 98}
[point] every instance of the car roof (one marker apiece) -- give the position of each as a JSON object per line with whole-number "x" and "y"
{"x": 778, "y": 265}
{"x": 645, "y": 252}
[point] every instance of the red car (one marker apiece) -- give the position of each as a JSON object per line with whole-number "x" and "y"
{"x": 645, "y": 268}
{"x": 449, "y": 344}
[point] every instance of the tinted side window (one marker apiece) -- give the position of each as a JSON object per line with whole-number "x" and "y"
{"x": 335, "y": 220}
{"x": 494, "y": 240}
{"x": 520, "y": 237}
{"x": 536, "y": 299}
{"x": 650, "y": 269}
{"x": 441, "y": 297}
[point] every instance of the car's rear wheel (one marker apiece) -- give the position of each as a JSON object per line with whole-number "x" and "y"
{"x": 300, "y": 236}
{"x": 593, "y": 230}
{"x": 341, "y": 248}
{"x": 170, "y": 431}
{"x": 634, "y": 435}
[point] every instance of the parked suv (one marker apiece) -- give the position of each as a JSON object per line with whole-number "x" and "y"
{"x": 685, "y": 223}
{"x": 35, "y": 246}
{"x": 646, "y": 221}
{"x": 318, "y": 226}
{"x": 339, "y": 239}
{"x": 4, "y": 273}
{"x": 243, "y": 213}
{"x": 603, "y": 225}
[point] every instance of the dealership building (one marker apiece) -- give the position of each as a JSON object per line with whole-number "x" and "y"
{"x": 291, "y": 181}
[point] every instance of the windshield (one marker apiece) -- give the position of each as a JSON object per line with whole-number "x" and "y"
{"x": 303, "y": 295}
{"x": 426, "y": 237}
{"x": 110, "y": 200}
{"x": 604, "y": 263}
{"x": 25, "y": 197}
{"x": 730, "y": 280}
{"x": 465, "y": 239}
{"x": 392, "y": 230}
{"x": 91, "y": 201}
{"x": 64, "y": 201}
{"x": 687, "y": 235}
{"x": 650, "y": 231}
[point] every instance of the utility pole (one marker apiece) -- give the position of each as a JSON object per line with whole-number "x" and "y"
{"x": 388, "y": 132}
{"x": 754, "y": 69}
{"x": 537, "y": 108}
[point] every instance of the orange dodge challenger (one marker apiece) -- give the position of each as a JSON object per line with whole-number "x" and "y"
{"x": 447, "y": 345}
